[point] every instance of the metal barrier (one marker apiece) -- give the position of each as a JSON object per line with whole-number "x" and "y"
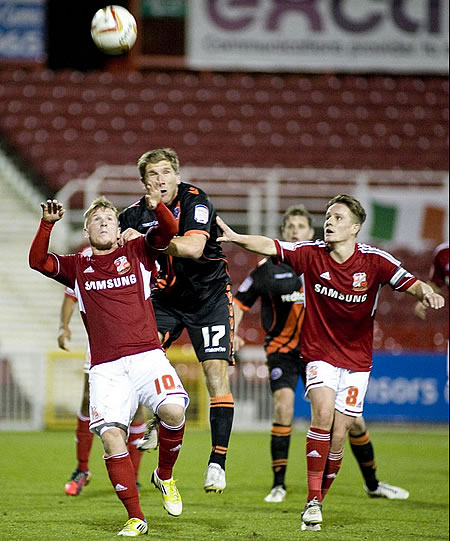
{"x": 22, "y": 390}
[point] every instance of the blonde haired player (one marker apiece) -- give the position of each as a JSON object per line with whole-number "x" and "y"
{"x": 81, "y": 475}
{"x": 128, "y": 366}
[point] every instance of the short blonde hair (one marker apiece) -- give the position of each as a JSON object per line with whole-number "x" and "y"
{"x": 99, "y": 203}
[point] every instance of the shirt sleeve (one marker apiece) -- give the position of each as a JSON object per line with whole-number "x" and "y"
{"x": 248, "y": 292}
{"x": 198, "y": 213}
{"x": 159, "y": 237}
{"x": 69, "y": 292}
{"x": 66, "y": 273}
{"x": 293, "y": 253}
{"x": 392, "y": 273}
{"x": 39, "y": 257}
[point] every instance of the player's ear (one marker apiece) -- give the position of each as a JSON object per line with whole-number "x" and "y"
{"x": 85, "y": 233}
{"x": 311, "y": 233}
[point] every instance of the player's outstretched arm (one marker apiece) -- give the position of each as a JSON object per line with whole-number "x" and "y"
{"x": 65, "y": 334}
{"x": 190, "y": 246}
{"x": 426, "y": 295}
{"x": 39, "y": 259}
{"x": 252, "y": 243}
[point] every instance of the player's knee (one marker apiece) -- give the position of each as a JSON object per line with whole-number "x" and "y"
{"x": 358, "y": 427}
{"x": 171, "y": 414}
{"x": 283, "y": 413}
{"x": 113, "y": 439}
{"x": 284, "y": 405}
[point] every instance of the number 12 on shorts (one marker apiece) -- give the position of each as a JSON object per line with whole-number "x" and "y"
{"x": 213, "y": 335}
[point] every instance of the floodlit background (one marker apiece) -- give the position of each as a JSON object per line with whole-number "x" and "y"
{"x": 268, "y": 104}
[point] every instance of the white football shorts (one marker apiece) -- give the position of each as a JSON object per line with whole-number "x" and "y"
{"x": 350, "y": 387}
{"x": 118, "y": 387}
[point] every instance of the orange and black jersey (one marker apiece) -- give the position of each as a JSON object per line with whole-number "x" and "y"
{"x": 282, "y": 304}
{"x": 186, "y": 283}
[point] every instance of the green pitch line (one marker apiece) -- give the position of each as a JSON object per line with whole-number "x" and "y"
{"x": 35, "y": 467}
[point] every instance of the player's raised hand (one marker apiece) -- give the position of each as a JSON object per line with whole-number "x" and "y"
{"x": 228, "y": 235}
{"x": 52, "y": 211}
{"x": 153, "y": 195}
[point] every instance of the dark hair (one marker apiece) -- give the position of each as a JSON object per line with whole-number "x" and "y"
{"x": 296, "y": 210}
{"x": 352, "y": 204}
{"x": 158, "y": 155}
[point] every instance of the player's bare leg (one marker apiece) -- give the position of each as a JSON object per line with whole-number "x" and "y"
{"x": 221, "y": 421}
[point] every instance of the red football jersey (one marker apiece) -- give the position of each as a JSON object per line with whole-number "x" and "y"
{"x": 439, "y": 268}
{"x": 113, "y": 293}
{"x": 341, "y": 300}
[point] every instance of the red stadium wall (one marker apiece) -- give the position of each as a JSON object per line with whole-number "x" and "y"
{"x": 66, "y": 124}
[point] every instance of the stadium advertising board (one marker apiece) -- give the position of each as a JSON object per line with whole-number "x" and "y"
{"x": 22, "y": 29}
{"x": 319, "y": 35}
{"x": 402, "y": 388}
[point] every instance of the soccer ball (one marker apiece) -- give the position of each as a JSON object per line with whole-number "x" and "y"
{"x": 114, "y": 30}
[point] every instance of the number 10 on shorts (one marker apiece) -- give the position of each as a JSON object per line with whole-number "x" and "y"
{"x": 165, "y": 382}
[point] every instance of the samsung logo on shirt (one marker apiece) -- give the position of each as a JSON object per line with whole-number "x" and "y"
{"x": 334, "y": 294}
{"x": 111, "y": 283}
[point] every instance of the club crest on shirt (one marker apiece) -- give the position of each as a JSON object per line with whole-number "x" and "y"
{"x": 360, "y": 281}
{"x": 176, "y": 212}
{"x": 122, "y": 264}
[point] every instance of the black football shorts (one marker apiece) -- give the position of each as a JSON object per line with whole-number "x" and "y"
{"x": 210, "y": 328}
{"x": 284, "y": 371}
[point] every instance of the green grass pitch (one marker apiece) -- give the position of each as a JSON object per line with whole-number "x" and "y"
{"x": 34, "y": 507}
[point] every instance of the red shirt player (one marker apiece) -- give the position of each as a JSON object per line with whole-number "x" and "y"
{"x": 438, "y": 279}
{"x": 437, "y": 276}
{"x": 342, "y": 283}
{"x": 439, "y": 268}
{"x": 128, "y": 366}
